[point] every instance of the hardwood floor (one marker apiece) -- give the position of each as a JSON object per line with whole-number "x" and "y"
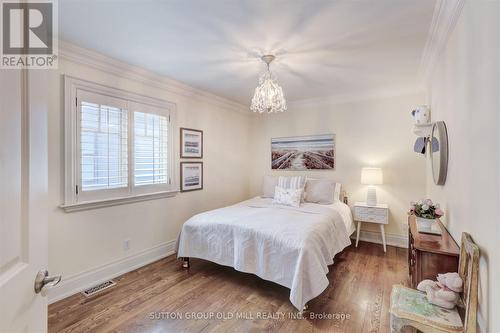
{"x": 154, "y": 297}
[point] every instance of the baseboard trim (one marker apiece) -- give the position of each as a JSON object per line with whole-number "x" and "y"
{"x": 375, "y": 237}
{"x": 78, "y": 282}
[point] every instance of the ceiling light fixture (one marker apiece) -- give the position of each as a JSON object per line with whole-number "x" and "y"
{"x": 268, "y": 96}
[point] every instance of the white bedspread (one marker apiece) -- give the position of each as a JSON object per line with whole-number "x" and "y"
{"x": 290, "y": 246}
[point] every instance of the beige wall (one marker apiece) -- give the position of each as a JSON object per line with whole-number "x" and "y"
{"x": 80, "y": 241}
{"x": 375, "y": 132}
{"x": 464, "y": 92}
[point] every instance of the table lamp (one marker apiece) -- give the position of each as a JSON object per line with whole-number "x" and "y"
{"x": 371, "y": 177}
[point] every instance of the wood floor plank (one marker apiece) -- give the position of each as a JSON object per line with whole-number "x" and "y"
{"x": 148, "y": 299}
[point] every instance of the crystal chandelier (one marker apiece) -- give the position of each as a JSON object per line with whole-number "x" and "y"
{"x": 268, "y": 96}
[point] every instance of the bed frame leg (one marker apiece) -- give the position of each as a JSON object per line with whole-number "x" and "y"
{"x": 185, "y": 262}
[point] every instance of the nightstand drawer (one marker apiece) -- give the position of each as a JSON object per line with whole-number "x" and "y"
{"x": 371, "y": 218}
{"x": 371, "y": 211}
{"x": 371, "y": 214}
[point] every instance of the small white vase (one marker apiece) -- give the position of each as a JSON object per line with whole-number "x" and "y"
{"x": 425, "y": 223}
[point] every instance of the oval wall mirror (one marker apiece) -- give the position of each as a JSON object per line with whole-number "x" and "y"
{"x": 439, "y": 152}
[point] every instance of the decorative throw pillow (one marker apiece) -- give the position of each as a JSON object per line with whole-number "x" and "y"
{"x": 295, "y": 182}
{"x": 320, "y": 191}
{"x": 287, "y": 196}
{"x": 268, "y": 185}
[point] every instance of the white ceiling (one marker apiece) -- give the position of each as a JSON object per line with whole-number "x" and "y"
{"x": 324, "y": 48}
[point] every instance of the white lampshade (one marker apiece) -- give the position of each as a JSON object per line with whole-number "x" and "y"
{"x": 371, "y": 176}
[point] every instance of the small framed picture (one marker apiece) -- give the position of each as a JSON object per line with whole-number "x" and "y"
{"x": 191, "y": 176}
{"x": 191, "y": 143}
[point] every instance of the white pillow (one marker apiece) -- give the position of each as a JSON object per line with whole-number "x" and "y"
{"x": 336, "y": 192}
{"x": 320, "y": 191}
{"x": 287, "y": 196}
{"x": 294, "y": 182}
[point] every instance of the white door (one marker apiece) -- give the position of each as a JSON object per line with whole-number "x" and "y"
{"x": 23, "y": 193}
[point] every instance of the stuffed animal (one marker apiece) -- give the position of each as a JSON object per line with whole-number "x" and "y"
{"x": 443, "y": 298}
{"x": 443, "y": 293}
{"x": 425, "y": 285}
{"x": 451, "y": 281}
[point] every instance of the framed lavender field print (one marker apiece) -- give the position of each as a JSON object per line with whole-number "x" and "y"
{"x": 191, "y": 176}
{"x": 312, "y": 152}
{"x": 191, "y": 143}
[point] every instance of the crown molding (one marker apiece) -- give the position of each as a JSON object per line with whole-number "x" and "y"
{"x": 444, "y": 20}
{"x": 354, "y": 97}
{"x": 122, "y": 69}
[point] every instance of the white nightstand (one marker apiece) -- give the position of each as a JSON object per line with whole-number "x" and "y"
{"x": 378, "y": 214}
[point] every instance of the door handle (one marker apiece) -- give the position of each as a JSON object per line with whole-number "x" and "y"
{"x": 43, "y": 282}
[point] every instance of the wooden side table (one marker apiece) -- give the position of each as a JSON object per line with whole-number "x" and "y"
{"x": 378, "y": 214}
{"x": 429, "y": 255}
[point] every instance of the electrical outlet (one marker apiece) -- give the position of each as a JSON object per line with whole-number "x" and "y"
{"x": 126, "y": 244}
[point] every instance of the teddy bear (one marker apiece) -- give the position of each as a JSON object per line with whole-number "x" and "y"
{"x": 452, "y": 281}
{"x": 444, "y": 292}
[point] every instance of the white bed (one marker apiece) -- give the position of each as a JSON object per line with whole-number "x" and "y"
{"x": 290, "y": 246}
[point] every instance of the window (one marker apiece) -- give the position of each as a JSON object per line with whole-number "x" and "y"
{"x": 103, "y": 147}
{"x": 119, "y": 146}
{"x": 150, "y": 149}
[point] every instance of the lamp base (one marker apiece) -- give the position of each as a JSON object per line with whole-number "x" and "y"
{"x": 371, "y": 196}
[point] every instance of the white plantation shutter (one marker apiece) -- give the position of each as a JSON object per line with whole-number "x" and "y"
{"x": 103, "y": 147}
{"x": 150, "y": 149}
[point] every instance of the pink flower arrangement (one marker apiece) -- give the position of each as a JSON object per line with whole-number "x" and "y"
{"x": 426, "y": 209}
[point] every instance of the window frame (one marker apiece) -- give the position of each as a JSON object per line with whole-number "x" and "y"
{"x": 75, "y": 201}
